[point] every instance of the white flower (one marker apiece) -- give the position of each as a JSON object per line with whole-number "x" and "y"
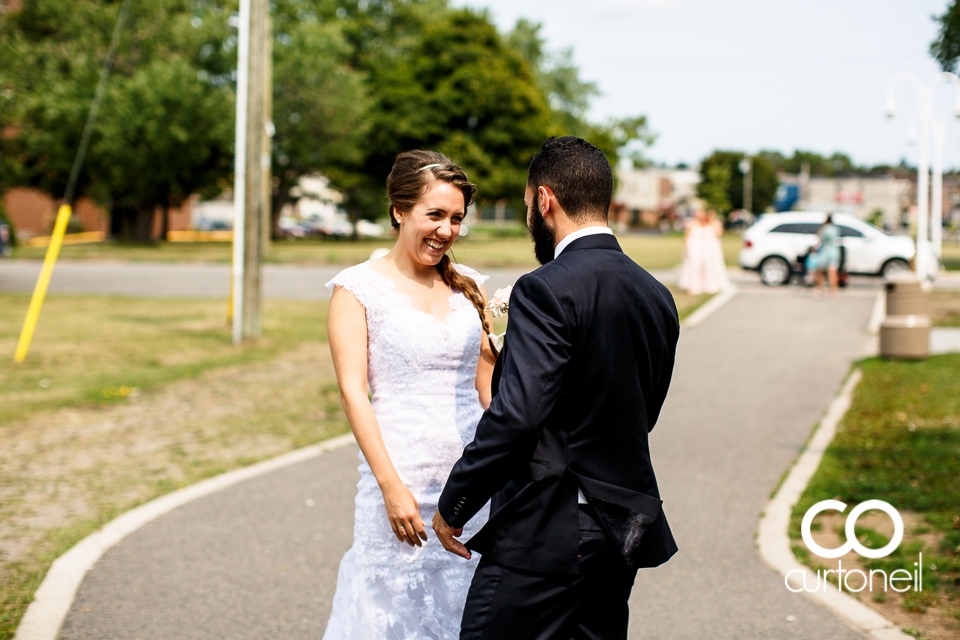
{"x": 500, "y": 302}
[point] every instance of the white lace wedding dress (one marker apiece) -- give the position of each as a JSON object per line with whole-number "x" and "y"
{"x": 422, "y": 375}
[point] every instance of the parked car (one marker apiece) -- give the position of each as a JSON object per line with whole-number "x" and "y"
{"x": 5, "y": 240}
{"x": 775, "y": 244}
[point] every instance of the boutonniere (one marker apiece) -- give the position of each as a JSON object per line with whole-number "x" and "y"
{"x": 498, "y": 306}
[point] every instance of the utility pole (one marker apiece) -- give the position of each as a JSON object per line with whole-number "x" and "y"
{"x": 251, "y": 167}
{"x": 746, "y": 168}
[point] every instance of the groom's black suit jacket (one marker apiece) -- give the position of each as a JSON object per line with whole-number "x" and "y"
{"x": 586, "y": 365}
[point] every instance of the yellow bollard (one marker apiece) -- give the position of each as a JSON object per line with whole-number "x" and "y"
{"x": 40, "y": 291}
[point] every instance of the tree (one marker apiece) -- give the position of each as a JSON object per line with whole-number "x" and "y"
{"x": 164, "y": 129}
{"x": 945, "y": 49}
{"x": 818, "y": 165}
{"x": 166, "y": 126}
{"x": 355, "y": 83}
{"x": 446, "y": 80}
{"x": 714, "y": 186}
{"x": 764, "y": 181}
{"x": 569, "y": 97}
{"x": 320, "y": 105}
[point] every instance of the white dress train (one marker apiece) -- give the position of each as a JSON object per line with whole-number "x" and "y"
{"x": 422, "y": 375}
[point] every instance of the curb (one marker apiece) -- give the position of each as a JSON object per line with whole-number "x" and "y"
{"x": 704, "y": 311}
{"x": 53, "y": 598}
{"x": 774, "y": 543}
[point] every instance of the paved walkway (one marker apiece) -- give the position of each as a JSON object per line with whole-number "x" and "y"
{"x": 259, "y": 560}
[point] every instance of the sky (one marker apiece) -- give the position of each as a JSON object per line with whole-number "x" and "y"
{"x": 751, "y": 74}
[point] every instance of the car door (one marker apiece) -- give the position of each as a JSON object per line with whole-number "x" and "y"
{"x": 856, "y": 250}
{"x": 792, "y": 240}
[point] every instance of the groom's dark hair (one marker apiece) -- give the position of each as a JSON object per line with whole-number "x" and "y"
{"x": 579, "y": 175}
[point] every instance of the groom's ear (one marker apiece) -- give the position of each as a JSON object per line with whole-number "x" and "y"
{"x": 547, "y": 201}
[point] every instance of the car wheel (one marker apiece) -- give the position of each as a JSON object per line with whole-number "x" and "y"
{"x": 894, "y": 266}
{"x": 774, "y": 271}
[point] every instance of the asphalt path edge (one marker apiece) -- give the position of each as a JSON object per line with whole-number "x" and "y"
{"x": 704, "y": 311}
{"x": 54, "y": 597}
{"x": 774, "y": 543}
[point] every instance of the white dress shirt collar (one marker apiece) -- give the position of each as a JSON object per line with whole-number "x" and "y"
{"x": 576, "y": 235}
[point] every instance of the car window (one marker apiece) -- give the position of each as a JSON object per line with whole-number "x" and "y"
{"x": 789, "y": 227}
{"x": 847, "y": 232}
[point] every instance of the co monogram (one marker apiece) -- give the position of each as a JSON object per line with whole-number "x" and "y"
{"x": 852, "y": 543}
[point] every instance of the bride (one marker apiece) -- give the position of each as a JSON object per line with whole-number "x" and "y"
{"x": 411, "y": 324}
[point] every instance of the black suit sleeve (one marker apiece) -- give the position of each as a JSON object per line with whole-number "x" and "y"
{"x": 539, "y": 351}
{"x": 662, "y": 384}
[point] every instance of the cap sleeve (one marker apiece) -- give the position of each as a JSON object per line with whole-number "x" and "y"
{"x": 358, "y": 281}
{"x": 478, "y": 277}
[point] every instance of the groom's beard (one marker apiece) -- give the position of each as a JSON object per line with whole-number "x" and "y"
{"x": 544, "y": 239}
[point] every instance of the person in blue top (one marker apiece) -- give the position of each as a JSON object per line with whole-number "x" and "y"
{"x": 827, "y": 256}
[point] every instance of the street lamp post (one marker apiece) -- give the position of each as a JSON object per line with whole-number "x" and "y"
{"x": 929, "y": 228}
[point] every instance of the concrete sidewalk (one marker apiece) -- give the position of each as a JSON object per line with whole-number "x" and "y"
{"x": 259, "y": 560}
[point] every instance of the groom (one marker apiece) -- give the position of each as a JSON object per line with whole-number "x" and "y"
{"x": 563, "y": 449}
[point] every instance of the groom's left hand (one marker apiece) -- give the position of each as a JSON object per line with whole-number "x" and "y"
{"x": 448, "y": 536}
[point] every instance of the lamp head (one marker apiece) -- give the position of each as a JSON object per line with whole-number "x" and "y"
{"x": 890, "y": 107}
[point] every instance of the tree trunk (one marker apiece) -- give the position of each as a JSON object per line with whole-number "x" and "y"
{"x": 132, "y": 224}
{"x": 165, "y": 226}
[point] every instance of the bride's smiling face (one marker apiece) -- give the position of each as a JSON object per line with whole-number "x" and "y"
{"x": 430, "y": 228}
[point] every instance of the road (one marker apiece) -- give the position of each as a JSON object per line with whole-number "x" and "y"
{"x": 182, "y": 280}
{"x": 259, "y": 560}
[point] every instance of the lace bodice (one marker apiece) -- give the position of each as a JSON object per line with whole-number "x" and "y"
{"x": 422, "y": 377}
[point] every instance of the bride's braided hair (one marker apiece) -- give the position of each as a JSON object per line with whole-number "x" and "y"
{"x": 409, "y": 178}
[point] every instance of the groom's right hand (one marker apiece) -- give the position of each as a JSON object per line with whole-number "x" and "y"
{"x": 447, "y": 536}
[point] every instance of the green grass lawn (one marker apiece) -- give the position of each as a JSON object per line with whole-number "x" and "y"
{"x": 86, "y": 348}
{"x": 951, "y": 256}
{"x": 481, "y": 249}
{"x": 900, "y": 442}
{"x": 944, "y": 308}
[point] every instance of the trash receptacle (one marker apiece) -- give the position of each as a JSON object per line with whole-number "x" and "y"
{"x": 905, "y": 332}
{"x": 904, "y": 296}
{"x": 906, "y": 337}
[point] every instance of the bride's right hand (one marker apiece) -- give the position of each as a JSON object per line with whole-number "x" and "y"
{"x": 404, "y": 514}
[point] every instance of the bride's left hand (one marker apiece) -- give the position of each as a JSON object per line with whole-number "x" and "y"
{"x": 404, "y": 514}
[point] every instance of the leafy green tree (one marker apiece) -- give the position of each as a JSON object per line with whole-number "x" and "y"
{"x": 355, "y": 83}
{"x": 446, "y": 80}
{"x": 764, "y": 180}
{"x": 570, "y": 97}
{"x": 945, "y": 49}
{"x": 714, "y": 186}
{"x": 819, "y": 165}
{"x": 320, "y": 105}
{"x": 165, "y": 128}
{"x": 163, "y": 131}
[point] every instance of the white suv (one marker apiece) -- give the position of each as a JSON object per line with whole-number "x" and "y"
{"x": 776, "y": 243}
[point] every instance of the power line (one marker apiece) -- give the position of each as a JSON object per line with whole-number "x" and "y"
{"x": 95, "y": 106}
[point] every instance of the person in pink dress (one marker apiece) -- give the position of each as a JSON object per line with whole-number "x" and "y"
{"x": 703, "y": 270}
